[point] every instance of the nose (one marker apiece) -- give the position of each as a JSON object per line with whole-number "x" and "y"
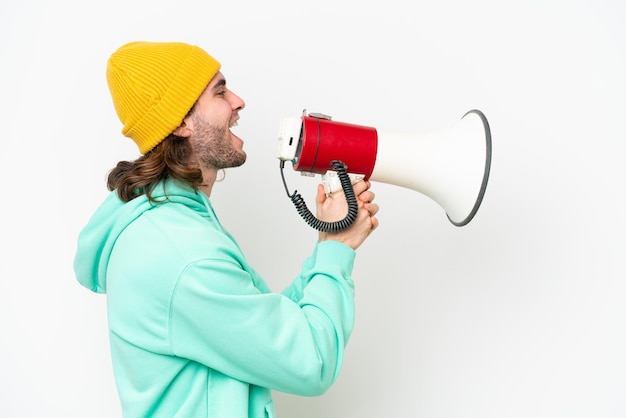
{"x": 237, "y": 102}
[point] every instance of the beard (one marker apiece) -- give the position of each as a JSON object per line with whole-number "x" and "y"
{"x": 214, "y": 146}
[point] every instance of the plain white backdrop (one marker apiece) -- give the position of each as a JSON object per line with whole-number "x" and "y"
{"x": 520, "y": 314}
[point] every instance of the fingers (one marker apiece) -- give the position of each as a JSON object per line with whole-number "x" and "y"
{"x": 374, "y": 221}
{"x": 361, "y": 186}
{"x": 367, "y": 197}
{"x": 372, "y": 208}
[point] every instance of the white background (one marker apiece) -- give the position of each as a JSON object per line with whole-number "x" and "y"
{"x": 522, "y": 313}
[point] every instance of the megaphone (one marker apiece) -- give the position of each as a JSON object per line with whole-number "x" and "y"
{"x": 451, "y": 166}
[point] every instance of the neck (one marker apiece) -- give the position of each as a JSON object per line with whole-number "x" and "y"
{"x": 208, "y": 180}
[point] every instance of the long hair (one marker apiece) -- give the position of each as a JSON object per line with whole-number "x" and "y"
{"x": 169, "y": 159}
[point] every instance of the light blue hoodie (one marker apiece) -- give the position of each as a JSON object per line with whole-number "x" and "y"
{"x": 194, "y": 330}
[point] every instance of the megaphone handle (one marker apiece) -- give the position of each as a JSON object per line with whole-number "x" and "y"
{"x": 346, "y": 185}
{"x": 332, "y": 183}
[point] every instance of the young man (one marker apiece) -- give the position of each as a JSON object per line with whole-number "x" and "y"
{"x": 194, "y": 331}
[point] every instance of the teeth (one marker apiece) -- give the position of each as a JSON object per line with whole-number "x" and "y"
{"x": 233, "y": 124}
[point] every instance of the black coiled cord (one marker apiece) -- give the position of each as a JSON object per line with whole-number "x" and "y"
{"x": 346, "y": 185}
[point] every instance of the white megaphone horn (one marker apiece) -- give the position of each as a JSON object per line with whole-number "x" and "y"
{"x": 451, "y": 166}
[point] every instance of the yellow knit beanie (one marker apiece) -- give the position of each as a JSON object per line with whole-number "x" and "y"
{"x": 154, "y": 85}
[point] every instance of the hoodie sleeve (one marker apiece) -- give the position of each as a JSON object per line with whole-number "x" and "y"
{"x": 292, "y": 341}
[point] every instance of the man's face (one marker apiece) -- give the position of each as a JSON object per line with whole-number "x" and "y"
{"x": 216, "y": 111}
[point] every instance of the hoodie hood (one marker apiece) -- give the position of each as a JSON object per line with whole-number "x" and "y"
{"x": 98, "y": 237}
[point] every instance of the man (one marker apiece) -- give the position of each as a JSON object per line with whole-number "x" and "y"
{"x": 194, "y": 331}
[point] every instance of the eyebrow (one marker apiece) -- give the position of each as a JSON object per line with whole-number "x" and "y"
{"x": 220, "y": 83}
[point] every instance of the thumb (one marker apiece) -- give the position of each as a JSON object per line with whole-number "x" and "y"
{"x": 320, "y": 198}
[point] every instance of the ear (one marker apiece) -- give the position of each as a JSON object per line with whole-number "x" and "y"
{"x": 182, "y": 131}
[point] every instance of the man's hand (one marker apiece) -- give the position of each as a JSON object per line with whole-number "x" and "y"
{"x": 334, "y": 207}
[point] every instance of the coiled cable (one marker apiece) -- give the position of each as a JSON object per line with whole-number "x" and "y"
{"x": 346, "y": 185}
